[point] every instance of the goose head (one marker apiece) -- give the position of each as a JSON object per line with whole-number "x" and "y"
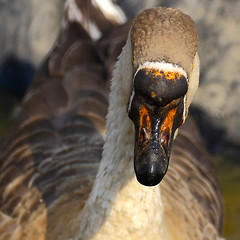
{"x": 165, "y": 73}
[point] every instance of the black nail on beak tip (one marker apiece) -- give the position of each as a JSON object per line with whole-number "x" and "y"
{"x": 151, "y": 169}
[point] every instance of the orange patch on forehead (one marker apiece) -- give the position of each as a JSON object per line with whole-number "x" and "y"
{"x": 153, "y": 94}
{"x": 169, "y": 75}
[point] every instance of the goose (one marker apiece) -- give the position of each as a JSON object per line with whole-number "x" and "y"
{"x": 65, "y": 173}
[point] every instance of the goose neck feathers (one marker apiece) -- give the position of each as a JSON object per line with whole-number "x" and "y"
{"x": 164, "y": 34}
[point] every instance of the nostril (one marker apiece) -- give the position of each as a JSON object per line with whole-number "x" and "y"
{"x": 164, "y": 139}
{"x": 144, "y": 135}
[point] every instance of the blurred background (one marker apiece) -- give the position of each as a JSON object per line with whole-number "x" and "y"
{"x": 29, "y": 28}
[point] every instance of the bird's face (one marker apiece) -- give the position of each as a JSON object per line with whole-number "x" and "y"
{"x": 157, "y": 108}
{"x": 165, "y": 67}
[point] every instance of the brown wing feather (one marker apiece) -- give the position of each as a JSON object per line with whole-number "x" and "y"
{"x": 51, "y": 156}
{"x": 191, "y": 185}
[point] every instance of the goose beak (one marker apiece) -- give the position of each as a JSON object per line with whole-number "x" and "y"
{"x": 155, "y": 124}
{"x": 154, "y": 132}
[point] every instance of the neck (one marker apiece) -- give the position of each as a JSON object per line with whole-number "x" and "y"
{"x": 118, "y": 204}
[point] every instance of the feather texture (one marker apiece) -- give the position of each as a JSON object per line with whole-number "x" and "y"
{"x": 50, "y": 159}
